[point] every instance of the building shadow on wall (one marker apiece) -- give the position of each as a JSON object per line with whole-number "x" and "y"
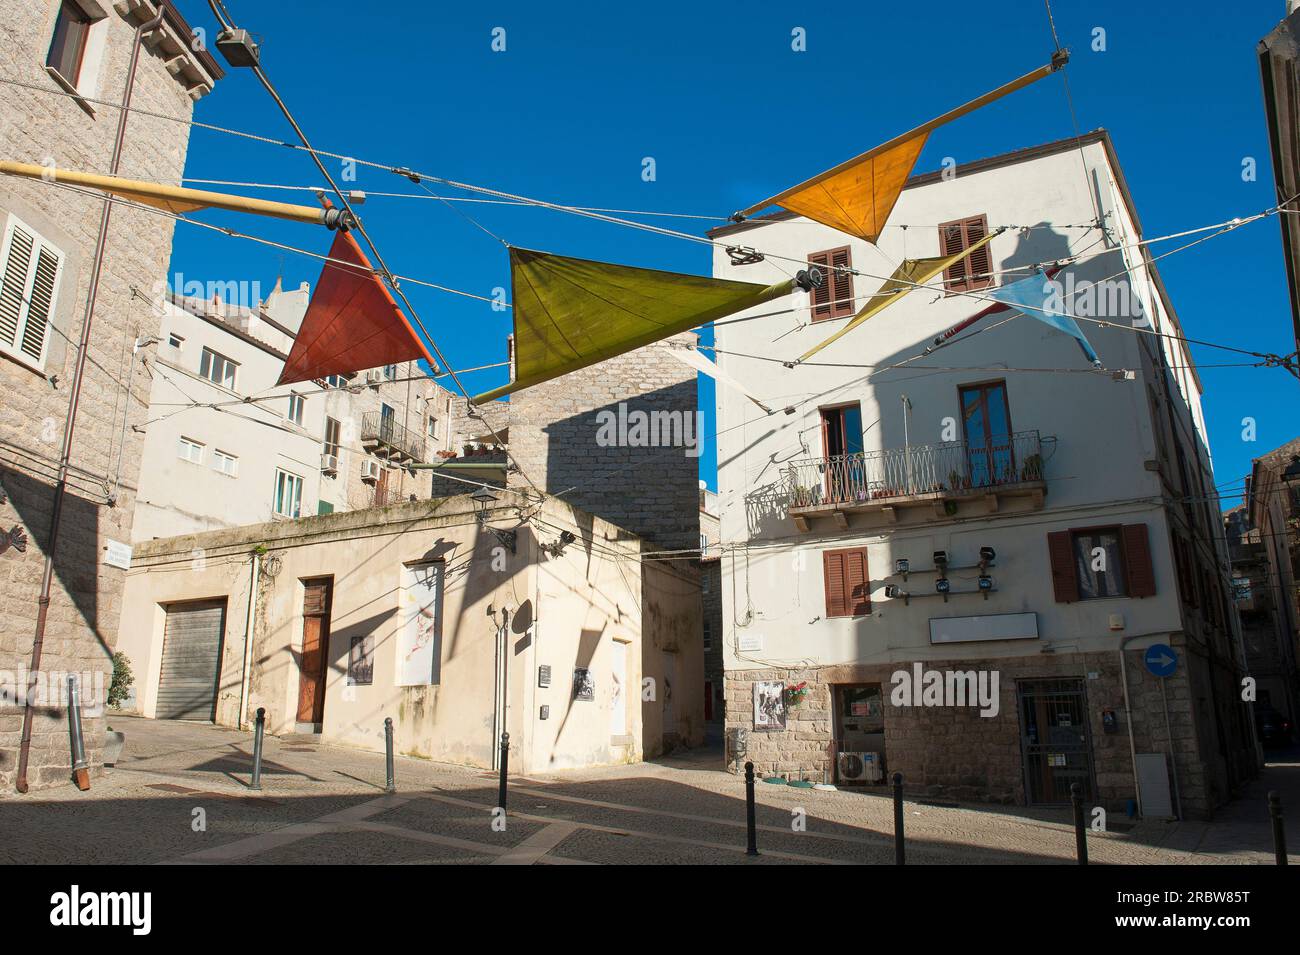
{"x": 76, "y": 562}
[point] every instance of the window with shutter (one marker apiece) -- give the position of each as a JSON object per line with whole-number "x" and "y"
{"x": 976, "y": 270}
{"x": 1060, "y": 552}
{"x": 835, "y": 297}
{"x": 848, "y": 585}
{"x": 29, "y": 282}
{"x": 1137, "y": 561}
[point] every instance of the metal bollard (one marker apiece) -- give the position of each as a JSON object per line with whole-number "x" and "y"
{"x": 900, "y": 854}
{"x": 80, "y": 768}
{"x": 505, "y": 768}
{"x": 751, "y": 826}
{"x": 391, "y": 785}
{"x": 1080, "y": 831}
{"x": 1279, "y": 829}
{"x": 259, "y": 727}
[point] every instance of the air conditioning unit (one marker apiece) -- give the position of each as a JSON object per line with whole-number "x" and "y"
{"x": 373, "y": 377}
{"x": 370, "y": 470}
{"x": 329, "y": 463}
{"x": 859, "y": 767}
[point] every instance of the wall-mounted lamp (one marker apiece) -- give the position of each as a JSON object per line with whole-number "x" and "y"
{"x": 483, "y": 499}
{"x": 943, "y": 586}
{"x": 941, "y": 560}
{"x": 896, "y": 592}
{"x": 902, "y": 566}
{"x": 986, "y": 557}
{"x": 556, "y": 548}
{"x": 985, "y": 585}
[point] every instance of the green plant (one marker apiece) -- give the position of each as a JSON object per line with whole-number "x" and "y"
{"x": 122, "y": 680}
{"x": 1033, "y": 469}
{"x": 260, "y": 550}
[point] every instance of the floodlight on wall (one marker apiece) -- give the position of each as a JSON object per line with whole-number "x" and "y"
{"x": 986, "y": 557}
{"x": 941, "y": 559}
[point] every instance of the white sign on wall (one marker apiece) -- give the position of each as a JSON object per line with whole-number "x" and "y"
{"x": 751, "y": 642}
{"x": 117, "y": 554}
{"x": 994, "y": 626}
{"x": 419, "y": 642}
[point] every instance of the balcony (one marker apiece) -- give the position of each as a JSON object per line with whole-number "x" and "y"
{"x": 937, "y": 479}
{"x": 384, "y": 437}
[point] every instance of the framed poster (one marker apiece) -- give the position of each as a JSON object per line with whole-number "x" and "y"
{"x": 584, "y": 684}
{"x": 769, "y": 705}
{"x": 361, "y": 661}
{"x": 419, "y": 641}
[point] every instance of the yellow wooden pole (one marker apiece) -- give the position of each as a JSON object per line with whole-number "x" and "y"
{"x": 173, "y": 198}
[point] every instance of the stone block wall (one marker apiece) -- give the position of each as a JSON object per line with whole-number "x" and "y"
{"x": 49, "y": 127}
{"x": 955, "y": 753}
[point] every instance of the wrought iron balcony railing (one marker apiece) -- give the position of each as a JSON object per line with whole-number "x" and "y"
{"x": 399, "y": 441}
{"x": 941, "y": 470}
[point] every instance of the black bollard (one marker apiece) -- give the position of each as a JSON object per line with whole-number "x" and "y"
{"x": 900, "y": 854}
{"x": 505, "y": 764}
{"x": 391, "y": 785}
{"x": 751, "y": 827}
{"x": 1080, "y": 833}
{"x": 259, "y": 727}
{"x": 1279, "y": 830}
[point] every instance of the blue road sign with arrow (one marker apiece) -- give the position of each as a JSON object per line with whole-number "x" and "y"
{"x": 1161, "y": 660}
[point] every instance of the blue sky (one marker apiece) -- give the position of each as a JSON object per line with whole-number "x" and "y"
{"x": 730, "y": 114}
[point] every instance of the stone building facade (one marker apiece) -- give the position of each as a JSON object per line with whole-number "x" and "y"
{"x": 54, "y": 231}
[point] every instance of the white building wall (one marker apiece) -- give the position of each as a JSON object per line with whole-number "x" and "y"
{"x": 1095, "y": 470}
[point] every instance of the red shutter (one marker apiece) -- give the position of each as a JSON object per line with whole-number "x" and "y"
{"x": 857, "y": 583}
{"x": 842, "y": 282}
{"x": 833, "y": 569}
{"x": 822, "y": 297}
{"x": 1065, "y": 581}
{"x": 1137, "y": 561}
{"x": 979, "y": 265}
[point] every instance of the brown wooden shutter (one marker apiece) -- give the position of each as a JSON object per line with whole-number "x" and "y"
{"x": 952, "y": 239}
{"x": 1065, "y": 581}
{"x": 979, "y": 265}
{"x": 848, "y": 585}
{"x": 842, "y": 282}
{"x": 833, "y": 570}
{"x": 857, "y": 583}
{"x": 314, "y": 597}
{"x": 1137, "y": 561}
{"x": 822, "y": 297}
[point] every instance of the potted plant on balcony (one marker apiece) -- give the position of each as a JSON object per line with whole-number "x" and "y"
{"x": 1033, "y": 468}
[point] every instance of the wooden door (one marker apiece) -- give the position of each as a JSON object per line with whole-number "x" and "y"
{"x": 315, "y": 650}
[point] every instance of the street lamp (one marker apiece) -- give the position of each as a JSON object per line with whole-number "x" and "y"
{"x": 483, "y": 499}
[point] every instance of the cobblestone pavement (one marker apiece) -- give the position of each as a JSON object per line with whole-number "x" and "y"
{"x": 326, "y": 804}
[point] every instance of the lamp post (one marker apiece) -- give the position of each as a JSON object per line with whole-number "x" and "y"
{"x": 483, "y": 500}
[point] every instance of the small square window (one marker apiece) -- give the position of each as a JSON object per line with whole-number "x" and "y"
{"x": 217, "y": 368}
{"x": 227, "y": 464}
{"x": 296, "y": 403}
{"x": 175, "y": 341}
{"x": 191, "y": 451}
{"x": 288, "y": 494}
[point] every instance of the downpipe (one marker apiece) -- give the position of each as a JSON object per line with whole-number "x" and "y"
{"x": 69, "y": 425}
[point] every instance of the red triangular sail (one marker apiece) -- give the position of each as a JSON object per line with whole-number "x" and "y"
{"x": 352, "y": 322}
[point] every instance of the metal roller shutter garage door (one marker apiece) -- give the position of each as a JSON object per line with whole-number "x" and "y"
{"x": 191, "y": 660}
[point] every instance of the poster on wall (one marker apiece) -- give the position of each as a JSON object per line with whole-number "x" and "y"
{"x": 361, "y": 661}
{"x": 769, "y": 705}
{"x": 419, "y": 641}
{"x": 584, "y": 684}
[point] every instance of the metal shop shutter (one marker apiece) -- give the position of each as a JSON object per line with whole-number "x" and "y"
{"x": 191, "y": 660}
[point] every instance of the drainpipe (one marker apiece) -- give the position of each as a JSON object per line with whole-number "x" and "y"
{"x": 1128, "y": 716}
{"x": 69, "y": 425}
{"x": 246, "y": 670}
